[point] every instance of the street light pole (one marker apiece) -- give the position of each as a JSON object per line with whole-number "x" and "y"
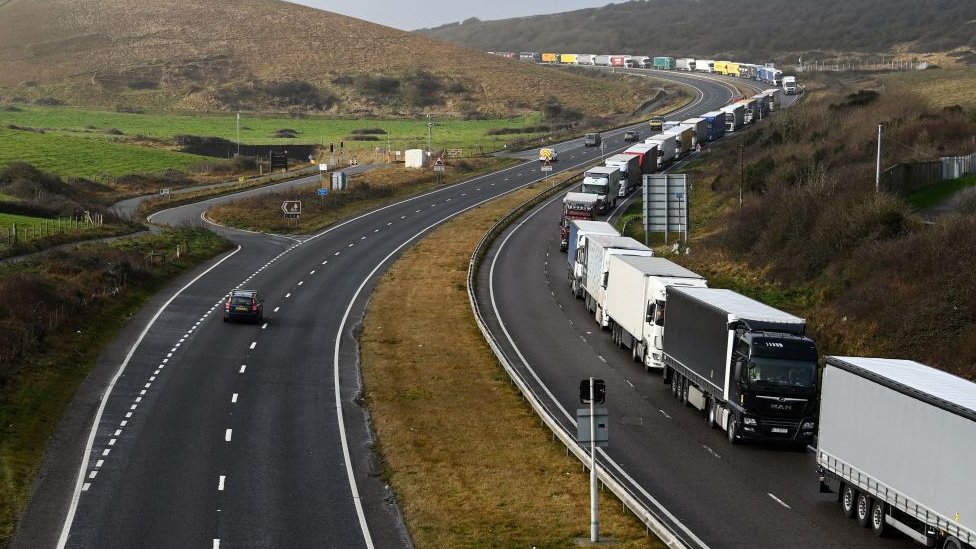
{"x": 430, "y": 125}
{"x": 238, "y": 133}
{"x": 877, "y": 167}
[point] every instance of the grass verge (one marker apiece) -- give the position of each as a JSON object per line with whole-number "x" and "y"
{"x": 934, "y": 195}
{"x": 365, "y": 191}
{"x": 468, "y": 459}
{"x": 78, "y": 301}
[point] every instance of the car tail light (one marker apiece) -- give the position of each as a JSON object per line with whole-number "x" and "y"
{"x": 254, "y": 306}
{"x": 227, "y": 305}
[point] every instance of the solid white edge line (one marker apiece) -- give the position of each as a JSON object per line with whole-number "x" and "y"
{"x": 76, "y": 496}
{"x": 572, "y": 419}
{"x": 347, "y": 458}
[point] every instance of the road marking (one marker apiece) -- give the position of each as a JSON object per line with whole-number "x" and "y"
{"x": 710, "y": 451}
{"x": 124, "y": 423}
{"x": 111, "y": 442}
{"x": 142, "y": 392}
{"x": 300, "y": 282}
{"x": 779, "y": 501}
{"x": 85, "y": 487}
{"x": 227, "y": 434}
{"x": 133, "y": 407}
{"x": 254, "y": 344}
{"x": 99, "y": 463}
{"x": 276, "y": 309}
{"x": 602, "y": 359}
{"x": 287, "y": 295}
{"x": 631, "y": 384}
{"x": 403, "y": 217}
{"x": 106, "y": 452}
{"x": 243, "y": 367}
{"x": 311, "y": 272}
{"x": 326, "y": 261}
{"x": 350, "y": 245}
{"x": 264, "y": 326}
{"x": 418, "y": 211}
{"x": 337, "y": 253}
{"x": 665, "y": 414}
{"x": 148, "y": 385}
{"x": 216, "y": 544}
{"x": 138, "y": 399}
{"x": 128, "y": 414}
{"x": 363, "y": 238}
{"x": 390, "y": 223}
{"x": 375, "y": 231}
{"x": 220, "y": 483}
{"x": 118, "y": 432}
{"x": 92, "y": 475}
{"x": 233, "y": 398}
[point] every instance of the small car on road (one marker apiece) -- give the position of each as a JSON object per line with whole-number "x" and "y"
{"x": 244, "y": 305}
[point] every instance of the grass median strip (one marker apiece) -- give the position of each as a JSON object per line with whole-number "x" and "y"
{"x": 470, "y": 462}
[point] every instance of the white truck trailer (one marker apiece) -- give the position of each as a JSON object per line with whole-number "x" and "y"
{"x": 579, "y": 231}
{"x": 630, "y": 171}
{"x": 896, "y": 443}
{"x": 789, "y": 85}
{"x": 666, "y": 147}
{"x": 685, "y": 64}
{"x": 636, "y": 298}
{"x": 596, "y": 265}
{"x": 735, "y": 115}
{"x": 700, "y": 128}
{"x": 774, "y": 98}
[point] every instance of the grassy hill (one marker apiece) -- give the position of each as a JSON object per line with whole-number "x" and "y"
{"x": 268, "y": 55}
{"x": 745, "y": 29}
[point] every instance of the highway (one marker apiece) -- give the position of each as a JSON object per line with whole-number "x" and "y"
{"x": 709, "y": 493}
{"x": 198, "y": 433}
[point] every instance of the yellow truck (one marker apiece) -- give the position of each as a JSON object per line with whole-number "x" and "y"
{"x": 567, "y": 58}
{"x": 550, "y": 58}
{"x": 547, "y": 154}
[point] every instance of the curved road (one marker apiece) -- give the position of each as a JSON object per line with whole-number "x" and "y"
{"x": 743, "y": 496}
{"x": 197, "y": 433}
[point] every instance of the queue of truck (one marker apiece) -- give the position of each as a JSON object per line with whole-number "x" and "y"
{"x": 894, "y": 438}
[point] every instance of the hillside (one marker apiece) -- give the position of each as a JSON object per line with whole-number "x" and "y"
{"x": 741, "y": 29}
{"x": 267, "y": 55}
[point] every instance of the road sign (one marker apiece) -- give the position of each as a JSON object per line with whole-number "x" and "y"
{"x": 292, "y": 207}
{"x": 323, "y": 167}
{"x": 439, "y": 165}
{"x": 546, "y": 166}
{"x": 583, "y": 426}
{"x": 323, "y": 192}
{"x": 599, "y": 391}
{"x": 164, "y": 192}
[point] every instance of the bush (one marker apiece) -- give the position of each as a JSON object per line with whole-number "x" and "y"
{"x": 362, "y": 138}
{"x": 369, "y": 131}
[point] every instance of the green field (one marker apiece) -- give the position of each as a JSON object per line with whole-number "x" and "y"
{"x": 255, "y": 129}
{"x": 74, "y": 156}
{"x": 74, "y": 142}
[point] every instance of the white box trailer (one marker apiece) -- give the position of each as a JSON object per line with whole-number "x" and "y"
{"x": 684, "y": 139}
{"x": 635, "y": 302}
{"x": 666, "y": 147}
{"x": 705, "y": 65}
{"x": 735, "y": 115}
{"x": 684, "y": 64}
{"x": 601, "y": 60}
{"x": 774, "y": 98}
{"x": 599, "y": 250}
{"x": 699, "y": 127}
{"x": 579, "y": 230}
{"x": 630, "y": 171}
{"x": 897, "y": 441}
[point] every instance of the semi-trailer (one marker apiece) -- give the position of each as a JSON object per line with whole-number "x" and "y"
{"x": 896, "y": 443}
{"x": 714, "y": 124}
{"x": 585, "y": 59}
{"x": 684, "y": 140}
{"x": 705, "y": 65}
{"x": 577, "y": 206}
{"x": 762, "y": 105}
{"x": 646, "y": 154}
{"x": 748, "y": 70}
{"x": 734, "y": 117}
{"x": 685, "y": 64}
{"x": 749, "y": 111}
{"x": 641, "y": 61}
{"x": 603, "y": 182}
{"x": 722, "y": 67}
{"x": 666, "y": 147}
{"x": 750, "y": 366}
{"x": 774, "y": 98}
{"x": 567, "y": 58}
{"x": 636, "y": 294}
{"x": 531, "y": 56}
{"x": 595, "y": 268}
{"x": 619, "y": 60}
{"x": 699, "y": 128}
{"x": 550, "y": 57}
{"x": 579, "y": 232}
{"x": 630, "y": 171}
{"x": 770, "y": 75}
{"x": 601, "y": 60}
{"x": 664, "y": 63}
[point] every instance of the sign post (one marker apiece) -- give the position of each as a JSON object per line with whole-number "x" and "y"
{"x": 292, "y": 209}
{"x": 546, "y": 170}
{"x": 593, "y": 391}
{"x": 439, "y": 169}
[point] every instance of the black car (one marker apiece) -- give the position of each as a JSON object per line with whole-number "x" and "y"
{"x": 631, "y": 135}
{"x": 244, "y": 305}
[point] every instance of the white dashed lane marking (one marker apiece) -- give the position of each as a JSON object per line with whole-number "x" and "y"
{"x": 220, "y": 483}
{"x": 227, "y": 434}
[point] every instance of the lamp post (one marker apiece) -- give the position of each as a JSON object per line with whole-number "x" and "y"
{"x": 238, "y": 133}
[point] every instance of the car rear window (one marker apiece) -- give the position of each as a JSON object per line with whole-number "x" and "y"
{"x": 240, "y": 300}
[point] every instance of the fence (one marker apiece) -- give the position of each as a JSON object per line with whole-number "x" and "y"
{"x": 22, "y": 233}
{"x": 954, "y": 167}
{"x": 906, "y": 178}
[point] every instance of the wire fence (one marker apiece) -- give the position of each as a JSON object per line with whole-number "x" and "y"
{"x": 22, "y": 233}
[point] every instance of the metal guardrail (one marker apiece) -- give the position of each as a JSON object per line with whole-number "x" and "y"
{"x": 641, "y": 511}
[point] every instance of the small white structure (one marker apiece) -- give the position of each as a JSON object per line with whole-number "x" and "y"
{"x": 414, "y": 158}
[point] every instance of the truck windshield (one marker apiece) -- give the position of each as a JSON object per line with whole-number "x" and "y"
{"x": 595, "y": 185}
{"x": 781, "y": 371}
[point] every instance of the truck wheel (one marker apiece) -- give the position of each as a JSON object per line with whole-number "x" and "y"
{"x": 732, "y": 430}
{"x": 952, "y": 543}
{"x": 712, "y": 414}
{"x": 684, "y": 391}
{"x": 862, "y": 510}
{"x": 848, "y": 495}
{"x": 666, "y": 375}
{"x": 878, "y": 525}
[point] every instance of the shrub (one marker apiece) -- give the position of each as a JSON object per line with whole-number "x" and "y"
{"x": 369, "y": 131}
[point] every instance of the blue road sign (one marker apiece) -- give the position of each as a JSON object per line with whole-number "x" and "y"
{"x": 323, "y": 192}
